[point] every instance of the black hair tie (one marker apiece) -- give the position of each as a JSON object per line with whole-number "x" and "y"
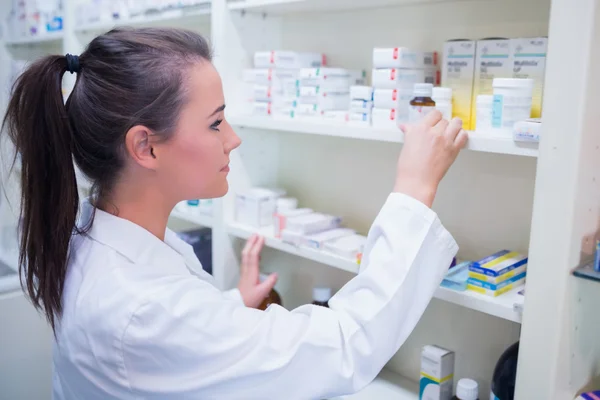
{"x": 73, "y": 63}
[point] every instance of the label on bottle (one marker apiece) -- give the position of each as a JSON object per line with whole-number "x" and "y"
{"x": 493, "y": 396}
{"x": 415, "y": 113}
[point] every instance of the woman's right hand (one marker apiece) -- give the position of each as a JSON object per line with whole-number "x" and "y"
{"x": 430, "y": 148}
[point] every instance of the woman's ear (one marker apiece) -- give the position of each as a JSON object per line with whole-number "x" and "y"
{"x": 139, "y": 147}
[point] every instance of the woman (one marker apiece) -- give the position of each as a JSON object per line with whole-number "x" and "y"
{"x": 145, "y": 122}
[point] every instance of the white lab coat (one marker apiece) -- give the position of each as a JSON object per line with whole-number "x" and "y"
{"x": 139, "y": 324}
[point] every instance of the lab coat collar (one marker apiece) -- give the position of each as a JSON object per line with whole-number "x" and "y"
{"x": 136, "y": 243}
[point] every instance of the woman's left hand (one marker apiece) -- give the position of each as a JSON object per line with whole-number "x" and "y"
{"x": 252, "y": 289}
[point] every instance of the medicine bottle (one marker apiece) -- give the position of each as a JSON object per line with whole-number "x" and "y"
{"x": 321, "y": 296}
{"x": 272, "y": 298}
{"x": 443, "y": 101}
{"x": 422, "y": 103}
{"x": 466, "y": 389}
{"x": 505, "y": 374}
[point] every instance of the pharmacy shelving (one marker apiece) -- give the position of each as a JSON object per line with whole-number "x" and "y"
{"x": 179, "y": 16}
{"x": 36, "y": 40}
{"x": 279, "y": 7}
{"x": 204, "y": 220}
{"x": 387, "y": 385}
{"x": 477, "y": 141}
{"x": 508, "y": 306}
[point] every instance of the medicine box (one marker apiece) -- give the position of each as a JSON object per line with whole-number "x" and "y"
{"x": 359, "y": 119}
{"x": 437, "y": 373}
{"x": 280, "y": 218}
{"x": 287, "y": 59}
{"x": 317, "y": 241}
{"x": 350, "y": 247}
{"x": 335, "y": 116}
{"x": 498, "y": 292}
{"x": 361, "y": 106}
{"x": 458, "y": 68}
{"x": 255, "y": 207}
{"x": 498, "y": 279}
{"x": 393, "y": 78}
{"x": 392, "y": 98}
{"x": 330, "y": 102}
{"x": 493, "y": 60}
{"x": 360, "y": 92}
{"x": 528, "y": 130}
{"x": 402, "y": 57}
{"x": 261, "y": 108}
{"x": 384, "y": 118}
{"x": 456, "y": 278}
{"x": 499, "y": 263}
{"x": 313, "y": 223}
{"x": 316, "y": 75}
{"x": 529, "y": 61}
{"x": 496, "y": 286}
{"x": 269, "y": 76}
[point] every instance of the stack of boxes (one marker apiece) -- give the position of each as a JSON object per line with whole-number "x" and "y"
{"x": 395, "y": 71}
{"x": 470, "y": 67}
{"x": 498, "y": 273}
{"x": 325, "y": 92}
{"x": 302, "y": 227}
{"x": 361, "y": 105}
{"x": 272, "y": 86}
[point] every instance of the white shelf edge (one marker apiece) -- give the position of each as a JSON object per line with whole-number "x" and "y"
{"x": 319, "y": 256}
{"x": 158, "y": 16}
{"x": 198, "y": 219}
{"x": 387, "y": 385}
{"x": 55, "y": 37}
{"x": 477, "y": 141}
{"x": 502, "y": 306}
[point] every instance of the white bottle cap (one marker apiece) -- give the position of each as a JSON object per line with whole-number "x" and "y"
{"x": 467, "y": 389}
{"x": 321, "y": 294}
{"x": 442, "y": 93}
{"x": 423, "y": 89}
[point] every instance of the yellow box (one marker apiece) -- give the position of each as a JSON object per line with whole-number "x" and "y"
{"x": 492, "y": 60}
{"x": 457, "y": 73}
{"x": 529, "y": 61}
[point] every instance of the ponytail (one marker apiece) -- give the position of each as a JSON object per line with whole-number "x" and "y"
{"x": 38, "y": 125}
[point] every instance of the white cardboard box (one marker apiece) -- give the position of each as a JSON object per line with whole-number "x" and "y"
{"x": 402, "y": 57}
{"x": 394, "y": 78}
{"x": 287, "y": 59}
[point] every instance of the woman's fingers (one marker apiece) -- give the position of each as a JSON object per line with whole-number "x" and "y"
{"x": 441, "y": 126}
{"x": 247, "y": 250}
{"x": 461, "y": 139}
{"x": 431, "y": 119}
{"x": 453, "y": 129}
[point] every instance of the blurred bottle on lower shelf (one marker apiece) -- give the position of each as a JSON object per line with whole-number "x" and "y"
{"x": 505, "y": 374}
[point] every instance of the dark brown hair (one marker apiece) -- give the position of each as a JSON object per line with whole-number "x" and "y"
{"x": 127, "y": 77}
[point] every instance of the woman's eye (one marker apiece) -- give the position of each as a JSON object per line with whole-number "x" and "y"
{"x": 215, "y": 125}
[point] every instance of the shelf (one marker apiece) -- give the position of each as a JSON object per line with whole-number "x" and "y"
{"x": 388, "y": 385}
{"x": 319, "y": 256}
{"x": 198, "y": 219}
{"x": 180, "y": 15}
{"x": 36, "y": 40}
{"x": 477, "y": 141}
{"x": 280, "y": 7}
{"x": 507, "y": 306}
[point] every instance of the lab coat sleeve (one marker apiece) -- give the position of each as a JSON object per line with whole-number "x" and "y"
{"x": 189, "y": 345}
{"x": 235, "y": 295}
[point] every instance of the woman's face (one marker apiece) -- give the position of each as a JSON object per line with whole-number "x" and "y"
{"x": 195, "y": 160}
